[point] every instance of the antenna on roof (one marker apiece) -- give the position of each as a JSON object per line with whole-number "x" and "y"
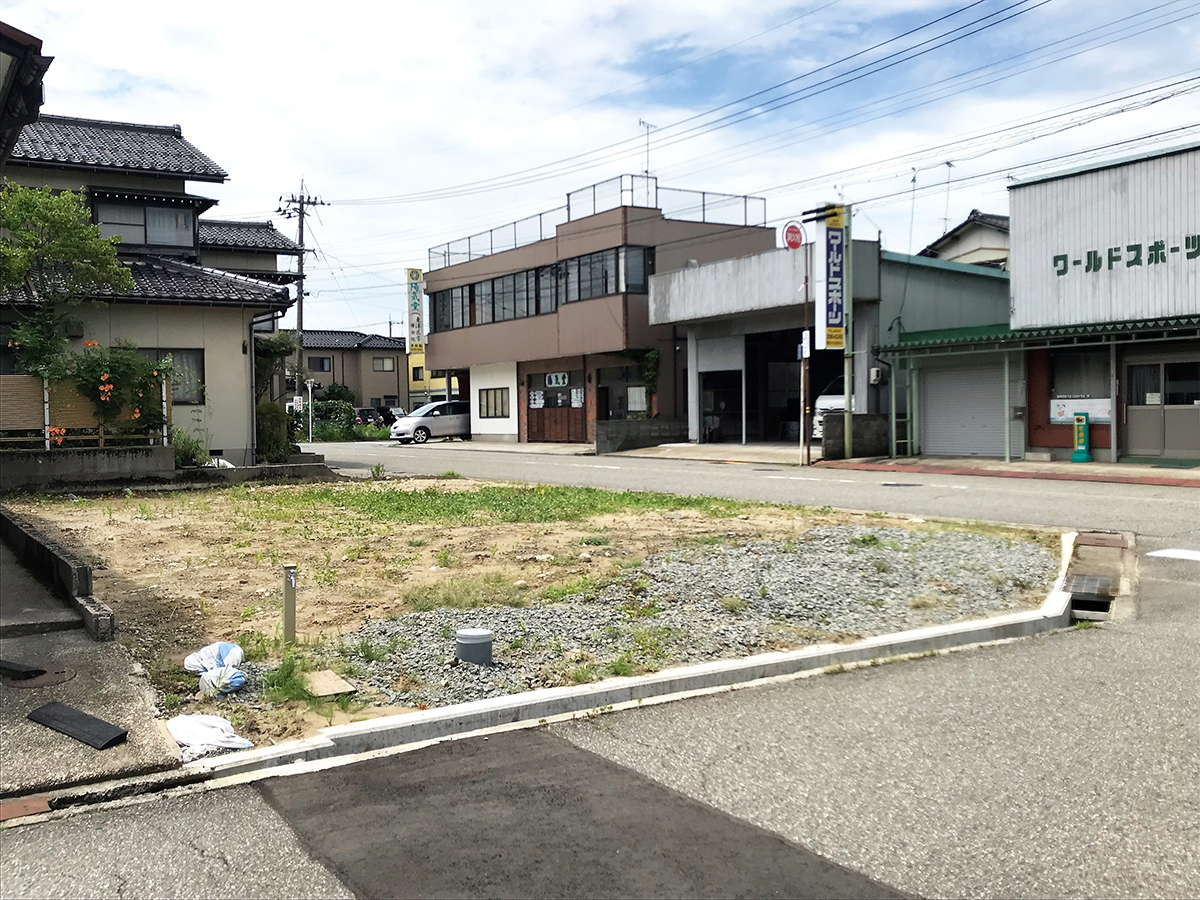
{"x": 642, "y": 123}
{"x": 946, "y": 217}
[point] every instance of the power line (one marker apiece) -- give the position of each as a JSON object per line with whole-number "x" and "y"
{"x": 508, "y": 180}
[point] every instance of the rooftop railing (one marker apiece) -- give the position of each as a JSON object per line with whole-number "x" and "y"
{"x": 624, "y": 190}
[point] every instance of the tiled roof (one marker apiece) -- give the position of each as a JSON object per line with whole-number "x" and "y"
{"x": 172, "y": 282}
{"x": 350, "y": 340}
{"x": 216, "y": 233}
{"x": 988, "y": 220}
{"x": 153, "y": 149}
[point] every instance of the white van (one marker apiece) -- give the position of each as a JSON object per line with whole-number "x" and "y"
{"x": 830, "y": 400}
{"x": 445, "y": 418}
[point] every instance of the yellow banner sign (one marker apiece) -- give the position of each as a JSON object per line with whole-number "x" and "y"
{"x": 835, "y": 338}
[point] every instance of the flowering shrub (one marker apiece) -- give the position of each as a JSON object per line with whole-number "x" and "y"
{"x": 122, "y": 383}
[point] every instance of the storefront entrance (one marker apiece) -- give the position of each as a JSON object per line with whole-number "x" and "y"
{"x": 556, "y": 407}
{"x": 1162, "y": 406}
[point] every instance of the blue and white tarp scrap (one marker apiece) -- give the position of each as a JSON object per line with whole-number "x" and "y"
{"x": 217, "y": 666}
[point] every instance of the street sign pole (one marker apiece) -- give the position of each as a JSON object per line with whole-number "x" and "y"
{"x": 848, "y": 340}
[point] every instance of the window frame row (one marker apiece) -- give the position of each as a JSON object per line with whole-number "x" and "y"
{"x": 541, "y": 291}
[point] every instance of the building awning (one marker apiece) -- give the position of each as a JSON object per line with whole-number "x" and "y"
{"x": 983, "y": 338}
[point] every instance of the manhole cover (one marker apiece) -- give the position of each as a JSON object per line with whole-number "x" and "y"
{"x": 53, "y": 676}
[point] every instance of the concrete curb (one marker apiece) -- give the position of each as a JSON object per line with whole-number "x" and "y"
{"x": 1105, "y": 478}
{"x": 541, "y": 705}
{"x": 68, "y": 575}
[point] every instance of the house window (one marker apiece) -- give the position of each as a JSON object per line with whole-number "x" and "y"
{"x": 320, "y": 364}
{"x": 383, "y": 364}
{"x": 438, "y": 373}
{"x": 493, "y": 403}
{"x": 418, "y": 373}
{"x": 376, "y": 402}
{"x": 187, "y": 384}
{"x": 147, "y": 225}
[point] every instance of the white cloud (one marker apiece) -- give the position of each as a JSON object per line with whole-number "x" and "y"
{"x": 378, "y": 99}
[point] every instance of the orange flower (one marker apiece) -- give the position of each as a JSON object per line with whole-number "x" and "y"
{"x": 156, "y": 371}
{"x": 137, "y": 413}
{"x": 87, "y": 343}
{"x": 104, "y": 377}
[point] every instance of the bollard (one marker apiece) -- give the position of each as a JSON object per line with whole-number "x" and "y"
{"x": 289, "y": 605}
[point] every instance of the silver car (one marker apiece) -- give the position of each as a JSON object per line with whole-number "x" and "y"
{"x": 445, "y": 418}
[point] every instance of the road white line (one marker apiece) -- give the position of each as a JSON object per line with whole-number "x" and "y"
{"x": 1193, "y": 555}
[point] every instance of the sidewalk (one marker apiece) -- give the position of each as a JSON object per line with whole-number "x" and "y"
{"x": 1114, "y": 473}
{"x": 781, "y": 453}
{"x": 106, "y": 684}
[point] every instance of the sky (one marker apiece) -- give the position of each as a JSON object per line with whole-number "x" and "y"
{"x": 422, "y": 123}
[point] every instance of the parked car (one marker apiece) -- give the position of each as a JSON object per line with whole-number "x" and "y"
{"x": 445, "y": 418}
{"x": 831, "y": 399}
{"x": 368, "y": 416}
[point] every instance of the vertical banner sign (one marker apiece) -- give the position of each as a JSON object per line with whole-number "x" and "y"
{"x": 416, "y": 326}
{"x": 835, "y": 279}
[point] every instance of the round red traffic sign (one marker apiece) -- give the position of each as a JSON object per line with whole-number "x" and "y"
{"x": 793, "y": 235}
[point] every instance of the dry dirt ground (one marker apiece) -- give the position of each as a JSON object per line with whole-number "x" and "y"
{"x": 185, "y": 568}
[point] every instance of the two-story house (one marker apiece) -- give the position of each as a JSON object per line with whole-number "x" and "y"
{"x": 135, "y": 178}
{"x": 373, "y": 366}
{"x": 544, "y": 322}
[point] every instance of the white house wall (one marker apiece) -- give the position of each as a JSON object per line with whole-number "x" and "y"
{"x": 494, "y": 375}
{"x": 225, "y": 420}
{"x": 1114, "y": 214}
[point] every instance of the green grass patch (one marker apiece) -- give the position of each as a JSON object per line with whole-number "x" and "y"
{"x": 598, "y": 541}
{"x": 286, "y": 681}
{"x": 733, "y": 604}
{"x": 623, "y": 665}
{"x": 465, "y": 592}
{"x": 488, "y": 504}
{"x": 583, "y": 587}
{"x": 866, "y": 540}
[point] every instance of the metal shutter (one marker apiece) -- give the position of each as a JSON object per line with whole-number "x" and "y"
{"x": 962, "y": 411}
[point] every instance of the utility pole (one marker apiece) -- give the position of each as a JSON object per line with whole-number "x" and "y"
{"x": 295, "y": 206}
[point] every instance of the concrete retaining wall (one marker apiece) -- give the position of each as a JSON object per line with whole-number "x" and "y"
{"x": 630, "y": 434}
{"x": 68, "y": 575}
{"x": 870, "y": 432}
{"x": 42, "y": 468}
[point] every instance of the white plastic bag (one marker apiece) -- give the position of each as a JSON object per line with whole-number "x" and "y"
{"x": 224, "y": 680}
{"x": 214, "y": 656}
{"x": 197, "y": 730}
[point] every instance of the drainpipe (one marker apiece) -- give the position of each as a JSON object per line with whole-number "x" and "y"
{"x": 46, "y": 411}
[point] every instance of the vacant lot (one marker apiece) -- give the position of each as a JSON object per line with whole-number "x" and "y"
{"x": 577, "y": 583}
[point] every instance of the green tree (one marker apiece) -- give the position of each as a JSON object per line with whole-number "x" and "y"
{"x": 51, "y": 257}
{"x": 270, "y": 355}
{"x": 338, "y": 391}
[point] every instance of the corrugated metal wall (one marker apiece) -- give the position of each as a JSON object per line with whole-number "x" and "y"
{"x": 1104, "y": 227}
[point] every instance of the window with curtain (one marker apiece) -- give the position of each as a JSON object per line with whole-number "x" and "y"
{"x": 187, "y": 384}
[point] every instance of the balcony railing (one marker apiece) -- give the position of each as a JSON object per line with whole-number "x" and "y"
{"x": 624, "y": 190}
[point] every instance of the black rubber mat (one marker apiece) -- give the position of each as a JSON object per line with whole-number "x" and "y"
{"x": 79, "y": 725}
{"x": 19, "y": 672}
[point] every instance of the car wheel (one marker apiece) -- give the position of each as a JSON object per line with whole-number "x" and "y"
{"x": 421, "y": 435}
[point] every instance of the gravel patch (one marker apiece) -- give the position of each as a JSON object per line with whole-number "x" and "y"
{"x": 836, "y": 583}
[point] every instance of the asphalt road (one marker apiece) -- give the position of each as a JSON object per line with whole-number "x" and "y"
{"x": 525, "y": 814}
{"x": 1161, "y": 516}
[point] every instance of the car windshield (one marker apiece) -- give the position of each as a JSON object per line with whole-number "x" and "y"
{"x": 834, "y": 387}
{"x": 425, "y": 410}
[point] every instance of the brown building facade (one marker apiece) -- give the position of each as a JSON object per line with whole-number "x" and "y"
{"x": 549, "y": 337}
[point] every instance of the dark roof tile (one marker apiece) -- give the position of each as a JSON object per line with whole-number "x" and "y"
{"x": 217, "y": 233}
{"x": 350, "y": 340}
{"x": 154, "y": 149}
